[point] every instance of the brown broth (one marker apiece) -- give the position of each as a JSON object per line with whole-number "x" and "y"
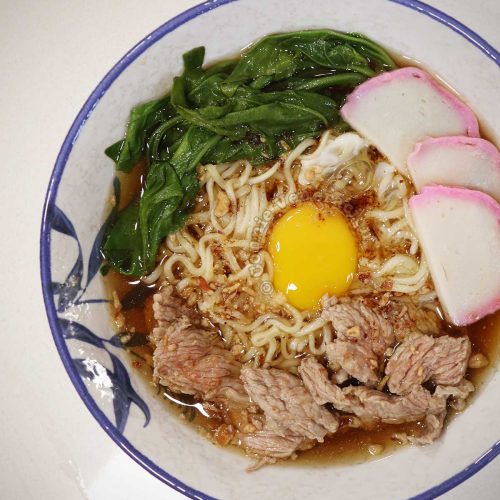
{"x": 348, "y": 445}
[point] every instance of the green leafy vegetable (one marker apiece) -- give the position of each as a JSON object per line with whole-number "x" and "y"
{"x": 122, "y": 246}
{"x": 143, "y": 119}
{"x": 281, "y": 56}
{"x": 285, "y": 88}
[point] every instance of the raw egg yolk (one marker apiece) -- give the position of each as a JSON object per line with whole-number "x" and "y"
{"x": 314, "y": 253}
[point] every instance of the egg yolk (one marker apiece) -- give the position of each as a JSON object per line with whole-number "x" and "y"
{"x": 314, "y": 253}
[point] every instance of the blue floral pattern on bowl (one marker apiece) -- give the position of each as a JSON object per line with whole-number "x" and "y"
{"x": 71, "y": 293}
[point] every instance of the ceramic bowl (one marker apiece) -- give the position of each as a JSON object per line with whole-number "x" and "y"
{"x": 118, "y": 398}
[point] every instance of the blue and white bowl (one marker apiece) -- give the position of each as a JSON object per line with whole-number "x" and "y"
{"x": 74, "y": 295}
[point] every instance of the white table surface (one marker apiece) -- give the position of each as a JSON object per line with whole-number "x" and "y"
{"x": 52, "y": 54}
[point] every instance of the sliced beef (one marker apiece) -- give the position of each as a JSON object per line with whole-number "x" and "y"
{"x": 189, "y": 359}
{"x": 289, "y": 408}
{"x": 358, "y": 360}
{"x": 268, "y": 444}
{"x": 368, "y": 404}
{"x": 459, "y": 391}
{"x": 363, "y": 336}
{"x": 456, "y": 394}
{"x": 448, "y": 360}
{"x": 432, "y": 430}
{"x": 340, "y": 376}
{"x": 405, "y": 368}
{"x": 407, "y": 317}
{"x": 168, "y": 308}
{"x": 366, "y": 329}
{"x": 354, "y": 321}
{"x": 420, "y": 358}
{"x": 315, "y": 378}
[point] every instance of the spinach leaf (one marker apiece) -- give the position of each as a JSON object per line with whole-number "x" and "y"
{"x": 122, "y": 246}
{"x": 252, "y": 148}
{"x": 158, "y": 209}
{"x": 285, "y": 88}
{"x": 143, "y": 118}
{"x": 192, "y": 148}
{"x": 280, "y": 56}
{"x": 347, "y": 80}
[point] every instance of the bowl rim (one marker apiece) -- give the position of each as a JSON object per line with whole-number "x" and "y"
{"x": 50, "y": 199}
